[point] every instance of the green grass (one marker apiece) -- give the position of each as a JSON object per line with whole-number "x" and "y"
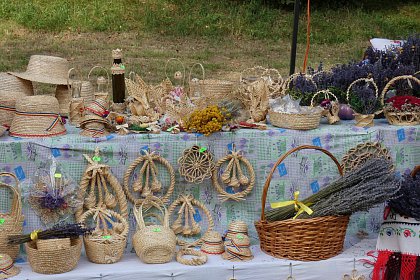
{"x": 227, "y": 36}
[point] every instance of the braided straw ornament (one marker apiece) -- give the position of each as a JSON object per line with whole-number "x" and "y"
{"x": 236, "y": 179}
{"x": 148, "y": 173}
{"x": 100, "y": 181}
{"x": 187, "y": 202}
{"x": 358, "y": 155}
{"x": 200, "y": 260}
{"x": 196, "y": 165}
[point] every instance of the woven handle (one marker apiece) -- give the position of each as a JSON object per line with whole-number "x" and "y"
{"x": 106, "y": 71}
{"x": 16, "y": 209}
{"x": 138, "y": 213}
{"x": 202, "y": 83}
{"x": 112, "y": 214}
{"x": 366, "y": 80}
{"x": 268, "y": 71}
{"x": 280, "y": 160}
{"x": 183, "y": 68}
{"x": 294, "y": 76}
{"x": 392, "y": 81}
{"x": 68, "y": 79}
{"x": 326, "y": 93}
{"x": 415, "y": 171}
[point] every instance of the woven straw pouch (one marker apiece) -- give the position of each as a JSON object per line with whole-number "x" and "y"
{"x": 11, "y": 223}
{"x": 154, "y": 243}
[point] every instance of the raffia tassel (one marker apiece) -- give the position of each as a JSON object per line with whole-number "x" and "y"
{"x": 234, "y": 182}
{"x": 138, "y": 185}
{"x": 110, "y": 201}
{"x": 243, "y": 180}
{"x": 90, "y": 201}
{"x": 226, "y": 174}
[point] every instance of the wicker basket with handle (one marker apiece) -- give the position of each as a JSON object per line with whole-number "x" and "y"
{"x": 301, "y": 239}
{"x": 402, "y": 117}
{"x": 154, "y": 243}
{"x": 11, "y": 223}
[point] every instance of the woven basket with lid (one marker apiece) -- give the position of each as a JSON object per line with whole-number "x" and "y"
{"x": 301, "y": 239}
{"x": 11, "y": 223}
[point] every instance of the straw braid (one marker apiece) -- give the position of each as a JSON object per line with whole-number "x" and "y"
{"x": 203, "y": 207}
{"x": 225, "y": 196}
{"x": 133, "y": 166}
{"x": 202, "y": 258}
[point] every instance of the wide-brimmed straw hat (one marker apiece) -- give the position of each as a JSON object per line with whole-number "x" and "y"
{"x": 212, "y": 243}
{"x": 3, "y": 129}
{"x": 238, "y": 248}
{"x": 7, "y": 269}
{"x": 98, "y": 107}
{"x": 7, "y": 108}
{"x": 45, "y": 69}
{"x": 37, "y": 116}
{"x": 15, "y": 86}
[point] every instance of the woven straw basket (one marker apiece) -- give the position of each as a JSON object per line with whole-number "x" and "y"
{"x": 154, "y": 243}
{"x": 301, "y": 239}
{"x": 105, "y": 245}
{"x": 53, "y": 259}
{"x": 37, "y": 116}
{"x": 12, "y": 222}
{"x": 295, "y": 121}
{"x": 400, "y": 118}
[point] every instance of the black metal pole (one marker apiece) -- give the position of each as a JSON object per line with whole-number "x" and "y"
{"x": 294, "y": 39}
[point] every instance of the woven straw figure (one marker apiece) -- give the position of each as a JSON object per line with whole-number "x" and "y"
{"x": 107, "y": 242}
{"x": 234, "y": 177}
{"x": 196, "y": 164}
{"x": 99, "y": 188}
{"x": 255, "y": 97}
{"x": 147, "y": 182}
{"x": 188, "y": 219}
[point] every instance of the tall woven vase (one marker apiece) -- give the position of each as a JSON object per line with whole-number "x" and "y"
{"x": 11, "y": 223}
{"x": 313, "y": 239}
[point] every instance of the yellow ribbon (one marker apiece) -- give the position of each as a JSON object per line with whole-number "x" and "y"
{"x": 34, "y": 234}
{"x": 300, "y": 207}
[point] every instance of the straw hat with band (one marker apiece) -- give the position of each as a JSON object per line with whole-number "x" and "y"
{"x": 98, "y": 107}
{"x": 212, "y": 243}
{"x": 7, "y": 108}
{"x": 237, "y": 249}
{"x": 7, "y": 269}
{"x": 45, "y": 69}
{"x": 94, "y": 126}
{"x": 2, "y": 130}
{"x": 37, "y": 116}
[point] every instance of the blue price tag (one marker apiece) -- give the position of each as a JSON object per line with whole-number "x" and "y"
{"x": 143, "y": 149}
{"x": 109, "y": 137}
{"x": 230, "y": 190}
{"x": 317, "y": 142}
{"x": 55, "y": 152}
{"x": 282, "y": 169}
{"x": 401, "y": 134}
{"x": 197, "y": 216}
{"x": 281, "y": 130}
{"x": 315, "y": 186}
{"x": 230, "y": 147}
{"x": 20, "y": 174}
{"x": 199, "y": 134}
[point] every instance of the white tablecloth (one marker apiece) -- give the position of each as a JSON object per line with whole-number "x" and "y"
{"x": 261, "y": 267}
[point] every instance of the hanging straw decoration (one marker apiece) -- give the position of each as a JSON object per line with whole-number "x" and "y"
{"x": 187, "y": 222}
{"x": 196, "y": 164}
{"x": 146, "y": 183}
{"x": 99, "y": 188}
{"x": 234, "y": 177}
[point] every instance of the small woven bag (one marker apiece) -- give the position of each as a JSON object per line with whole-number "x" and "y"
{"x": 11, "y": 223}
{"x": 154, "y": 243}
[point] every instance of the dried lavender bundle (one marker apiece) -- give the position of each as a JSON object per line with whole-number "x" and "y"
{"x": 407, "y": 202}
{"x": 58, "y": 231}
{"x": 369, "y": 171}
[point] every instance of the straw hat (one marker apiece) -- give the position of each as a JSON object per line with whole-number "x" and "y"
{"x": 237, "y": 248}
{"x": 7, "y": 108}
{"x": 236, "y": 227}
{"x": 212, "y": 243}
{"x": 2, "y": 130}
{"x": 15, "y": 86}
{"x": 37, "y": 116}
{"x": 94, "y": 126}
{"x": 63, "y": 96}
{"x": 7, "y": 269}
{"x": 98, "y": 107}
{"x": 46, "y": 69}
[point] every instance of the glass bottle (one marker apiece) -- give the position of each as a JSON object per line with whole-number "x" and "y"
{"x": 118, "y": 82}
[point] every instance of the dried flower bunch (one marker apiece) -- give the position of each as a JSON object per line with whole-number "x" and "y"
{"x": 210, "y": 119}
{"x": 403, "y": 103}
